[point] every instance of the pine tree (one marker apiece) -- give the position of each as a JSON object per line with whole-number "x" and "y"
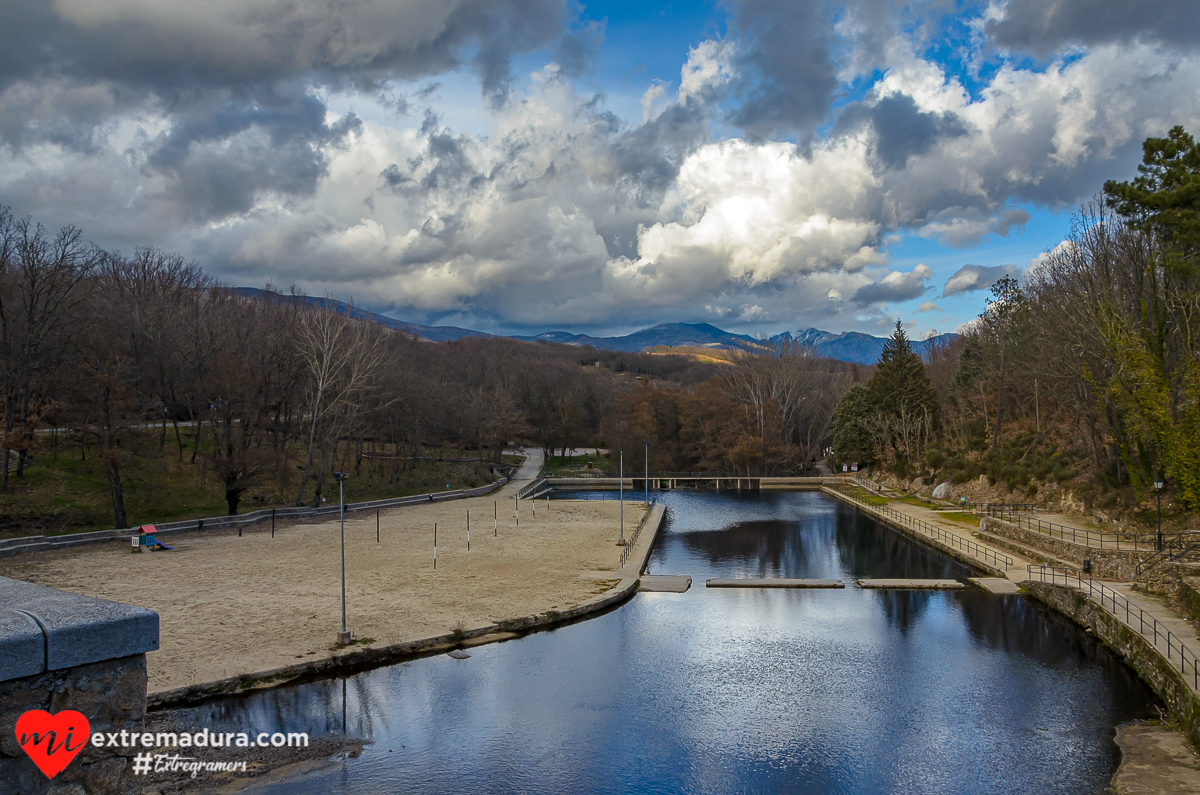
{"x": 900, "y": 383}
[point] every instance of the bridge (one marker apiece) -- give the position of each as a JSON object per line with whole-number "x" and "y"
{"x": 675, "y": 481}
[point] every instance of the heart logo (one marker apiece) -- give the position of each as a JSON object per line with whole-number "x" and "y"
{"x": 52, "y": 741}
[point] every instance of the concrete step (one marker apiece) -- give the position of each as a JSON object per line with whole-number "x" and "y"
{"x": 996, "y": 585}
{"x": 664, "y": 583}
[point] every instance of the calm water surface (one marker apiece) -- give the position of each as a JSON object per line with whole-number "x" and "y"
{"x": 730, "y": 691}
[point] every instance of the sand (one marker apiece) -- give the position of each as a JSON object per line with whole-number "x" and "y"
{"x": 231, "y": 606}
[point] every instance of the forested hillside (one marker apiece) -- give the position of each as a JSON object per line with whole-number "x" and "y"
{"x": 1086, "y": 371}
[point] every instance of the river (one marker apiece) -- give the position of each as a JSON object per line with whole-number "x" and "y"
{"x": 730, "y": 691}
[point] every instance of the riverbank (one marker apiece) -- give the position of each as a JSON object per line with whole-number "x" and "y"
{"x": 262, "y": 608}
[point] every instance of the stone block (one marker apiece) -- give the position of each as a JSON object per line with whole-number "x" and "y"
{"x": 944, "y": 491}
{"x": 79, "y": 629}
{"x": 22, "y": 647}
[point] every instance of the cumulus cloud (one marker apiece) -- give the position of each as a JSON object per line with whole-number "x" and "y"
{"x": 929, "y": 306}
{"x": 737, "y": 194}
{"x": 971, "y": 278}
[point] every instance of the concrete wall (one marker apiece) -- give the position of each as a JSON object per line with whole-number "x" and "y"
{"x": 61, "y": 651}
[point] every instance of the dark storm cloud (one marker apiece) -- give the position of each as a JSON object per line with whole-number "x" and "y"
{"x": 971, "y": 278}
{"x": 787, "y": 78}
{"x": 650, "y": 155}
{"x": 901, "y": 128}
{"x": 1043, "y": 26}
{"x": 231, "y": 42}
{"x": 223, "y": 152}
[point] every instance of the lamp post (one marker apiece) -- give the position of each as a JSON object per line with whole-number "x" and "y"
{"x": 621, "y": 486}
{"x": 1158, "y": 487}
{"x": 340, "y": 477}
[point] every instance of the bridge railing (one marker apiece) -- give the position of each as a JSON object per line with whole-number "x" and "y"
{"x": 997, "y": 508}
{"x": 1134, "y": 617}
{"x": 637, "y": 531}
{"x": 996, "y": 559}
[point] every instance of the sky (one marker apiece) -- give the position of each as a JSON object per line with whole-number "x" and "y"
{"x": 519, "y": 166}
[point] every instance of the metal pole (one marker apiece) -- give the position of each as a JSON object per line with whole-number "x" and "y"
{"x": 435, "y": 545}
{"x": 1160, "y": 535}
{"x": 468, "y": 531}
{"x": 272, "y": 523}
{"x": 647, "y": 484}
{"x": 495, "y": 518}
{"x": 376, "y": 525}
{"x": 622, "y": 497}
{"x": 342, "y": 514}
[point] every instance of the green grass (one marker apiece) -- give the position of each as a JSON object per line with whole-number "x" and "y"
{"x": 577, "y": 464}
{"x": 958, "y": 516}
{"x": 69, "y": 494}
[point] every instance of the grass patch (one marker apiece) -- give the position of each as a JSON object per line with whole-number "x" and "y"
{"x": 575, "y": 465}
{"x": 958, "y": 516}
{"x": 65, "y": 490}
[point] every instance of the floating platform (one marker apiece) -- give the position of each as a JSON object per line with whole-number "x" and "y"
{"x": 771, "y": 582}
{"x": 996, "y": 584}
{"x": 664, "y": 583}
{"x": 922, "y": 585}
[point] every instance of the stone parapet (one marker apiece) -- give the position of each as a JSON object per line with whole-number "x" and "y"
{"x": 63, "y": 651}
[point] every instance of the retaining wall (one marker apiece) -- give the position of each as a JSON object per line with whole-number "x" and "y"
{"x": 1137, "y": 652}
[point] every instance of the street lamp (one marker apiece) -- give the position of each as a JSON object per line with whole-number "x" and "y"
{"x": 621, "y": 479}
{"x": 340, "y": 477}
{"x": 1158, "y": 487}
{"x": 647, "y": 484}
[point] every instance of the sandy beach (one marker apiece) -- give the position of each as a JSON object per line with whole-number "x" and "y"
{"x": 231, "y": 606}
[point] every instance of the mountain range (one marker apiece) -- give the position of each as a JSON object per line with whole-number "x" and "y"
{"x": 848, "y": 346}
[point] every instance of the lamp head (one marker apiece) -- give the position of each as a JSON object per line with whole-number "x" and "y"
{"x": 1158, "y": 484}
{"x": 339, "y": 476}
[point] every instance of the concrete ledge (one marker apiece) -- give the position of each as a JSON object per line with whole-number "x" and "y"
{"x": 996, "y": 585}
{"x": 664, "y": 583}
{"x": 770, "y": 582}
{"x": 912, "y": 585}
{"x": 74, "y": 629}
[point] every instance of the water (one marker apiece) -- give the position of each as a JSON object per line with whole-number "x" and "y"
{"x": 729, "y": 691}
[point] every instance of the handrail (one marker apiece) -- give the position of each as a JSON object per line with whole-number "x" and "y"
{"x": 1095, "y": 587}
{"x": 633, "y": 537}
{"x": 1077, "y": 535}
{"x": 531, "y": 487}
{"x": 1180, "y": 546}
{"x": 996, "y": 558}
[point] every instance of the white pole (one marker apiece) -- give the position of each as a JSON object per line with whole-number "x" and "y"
{"x": 622, "y": 497}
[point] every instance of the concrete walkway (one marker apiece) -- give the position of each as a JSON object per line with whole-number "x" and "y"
{"x": 1155, "y": 610}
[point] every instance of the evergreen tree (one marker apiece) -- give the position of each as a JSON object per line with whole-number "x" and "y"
{"x": 852, "y": 439}
{"x": 900, "y": 384}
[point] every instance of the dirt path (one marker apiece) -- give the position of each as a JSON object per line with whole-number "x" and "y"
{"x": 231, "y": 606}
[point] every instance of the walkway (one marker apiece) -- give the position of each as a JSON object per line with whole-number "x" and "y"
{"x": 1175, "y": 638}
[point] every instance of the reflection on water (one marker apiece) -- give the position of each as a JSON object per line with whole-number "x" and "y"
{"x": 719, "y": 691}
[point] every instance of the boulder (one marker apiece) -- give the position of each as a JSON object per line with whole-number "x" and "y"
{"x": 942, "y": 492}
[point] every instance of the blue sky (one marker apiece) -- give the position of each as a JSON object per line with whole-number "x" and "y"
{"x": 527, "y": 165}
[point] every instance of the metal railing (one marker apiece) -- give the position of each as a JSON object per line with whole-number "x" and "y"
{"x": 1178, "y": 546}
{"x": 531, "y": 487}
{"x": 996, "y": 559}
{"x": 1135, "y": 618}
{"x": 627, "y": 550}
{"x": 997, "y": 508}
{"x": 1078, "y": 535}
{"x": 867, "y": 483}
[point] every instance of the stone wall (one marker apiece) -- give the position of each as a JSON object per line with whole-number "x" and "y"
{"x": 112, "y": 694}
{"x": 1162, "y": 677}
{"x": 1107, "y": 564}
{"x": 63, "y": 651}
